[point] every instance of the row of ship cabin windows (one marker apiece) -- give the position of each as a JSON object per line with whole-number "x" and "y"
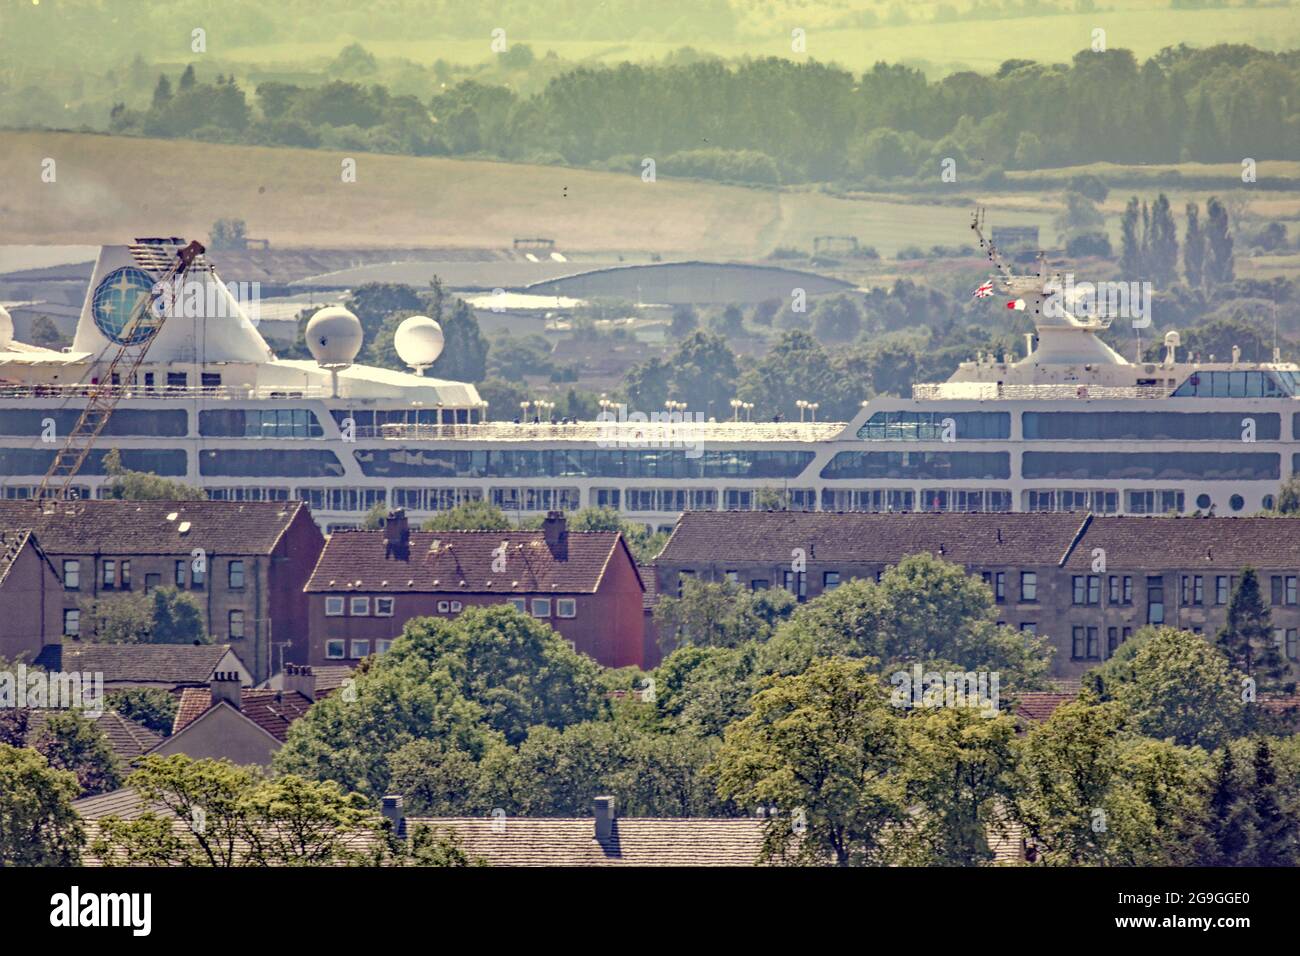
{"x": 887, "y": 426}
{"x": 115, "y": 575}
{"x": 359, "y": 606}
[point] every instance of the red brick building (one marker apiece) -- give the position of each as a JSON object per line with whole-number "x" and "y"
{"x": 368, "y": 584}
{"x": 244, "y": 562}
{"x": 30, "y": 595}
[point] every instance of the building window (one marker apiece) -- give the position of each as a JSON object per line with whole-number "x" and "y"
{"x": 1029, "y": 627}
{"x": 360, "y": 607}
{"x": 830, "y": 580}
{"x": 759, "y": 584}
{"x": 71, "y": 575}
{"x": 180, "y": 574}
{"x": 1293, "y": 644}
{"x": 1084, "y": 644}
{"x": 732, "y": 576}
{"x": 1155, "y": 599}
{"x": 334, "y": 650}
{"x": 541, "y": 607}
{"x": 681, "y": 581}
{"x": 1112, "y": 640}
{"x": 1028, "y": 586}
{"x": 1221, "y": 593}
{"x": 236, "y": 575}
{"x": 520, "y": 605}
{"x": 236, "y": 624}
{"x": 1119, "y": 589}
{"x": 334, "y": 608}
{"x": 383, "y": 607}
{"x": 110, "y": 575}
{"x": 1192, "y": 587}
{"x": 1086, "y": 589}
{"x": 455, "y": 607}
{"x": 382, "y": 645}
{"x": 198, "y": 574}
{"x": 566, "y": 607}
{"x": 796, "y": 583}
{"x": 1289, "y": 589}
{"x": 152, "y": 582}
{"x": 360, "y": 648}
{"x": 71, "y": 622}
{"x": 125, "y": 576}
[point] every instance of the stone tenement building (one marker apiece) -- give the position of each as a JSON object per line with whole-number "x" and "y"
{"x": 245, "y": 562}
{"x": 1086, "y": 582}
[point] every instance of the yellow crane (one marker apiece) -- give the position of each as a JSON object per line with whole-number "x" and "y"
{"x": 105, "y": 393}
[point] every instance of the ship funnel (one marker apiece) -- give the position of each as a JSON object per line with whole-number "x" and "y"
{"x": 1172, "y": 341}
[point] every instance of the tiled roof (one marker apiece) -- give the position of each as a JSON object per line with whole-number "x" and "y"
{"x": 272, "y": 710}
{"x": 769, "y": 536}
{"x": 1189, "y": 543}
{"x": 12, "y": 542}
{"x": 571, "y": 841}
{"x": 137, "y": 663}
{"x": 651, "y": 582}
{"x": 126, "y": 803}
{"x": 148, "y": 527}
{"x": 461, "y": 561}
{"x": 329, "y": 678}
{"x": 1039, "y": 705}
{"x": 127, "y": 738}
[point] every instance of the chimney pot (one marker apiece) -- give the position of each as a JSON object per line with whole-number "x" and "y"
{"x": 300, "y": 678}
{"x": 603, "y": 807}
{"x": 397, "y": 533}
{"x": 556, "y": 532}
{"x": 394, "y": 814}
{"x": 224, "y": 685}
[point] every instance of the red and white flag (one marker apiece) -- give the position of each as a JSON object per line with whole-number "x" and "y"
{"x": 984, "y": 291}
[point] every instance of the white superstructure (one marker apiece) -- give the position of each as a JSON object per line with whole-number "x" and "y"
{"x": 1070, "y": 426}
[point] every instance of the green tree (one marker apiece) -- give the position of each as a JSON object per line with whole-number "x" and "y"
{"x": 1246, "y": 638}
{"x": 704, "y": 373}
{"x": 38, "y": 826}
{"x": 722, "y": 614}
{"x": 684, "y": 322}
{"x": 1219, "y": 268}
{"x": 1089, "y": 795}
{"x": 1130, "y": 259}
{"x": 824, "y": 748}
{"x": 959, "y": 781}
{"x": 68, "y": 741}
{"x": 228, "y": 234}
{"x": 1181, "y": 689}
{"x": 465, "y": 350}
{"x": 165, "y": 615}
{"x": 234, "y": 817}
{"x": 1193, "y": 248}
{"x": 518, "y": 670}
{"x": 1288, "y": 499}
{"x": 1163, "y": 264}
{"x": 150, "y": 706}
{"x": 475, "y": 515}
{"x": 701, "y": 690}
{"x": 145, "y": 486}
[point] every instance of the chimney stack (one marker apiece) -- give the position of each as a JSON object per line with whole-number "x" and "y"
{"x": 604, "y": 810}
{"x": 556, "y": 531}
{"x": 225, "y": 686}
{"x": 393, "y": 814}
{"x": 397, "y": 534}
{"x": 300, "y": 678}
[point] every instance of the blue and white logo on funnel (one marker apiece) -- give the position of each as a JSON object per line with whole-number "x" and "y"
{"x": 123, "y": 308}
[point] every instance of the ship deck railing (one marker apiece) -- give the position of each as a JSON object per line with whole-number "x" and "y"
{"x": 227, "y": 392}
{"x": 612, "y": 434}
{"x": 992, "y": 391}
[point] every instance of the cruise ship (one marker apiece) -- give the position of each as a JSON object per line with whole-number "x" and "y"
{"x": 1070, "y": 425}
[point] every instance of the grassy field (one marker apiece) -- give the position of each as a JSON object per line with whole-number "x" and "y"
{"x": 1145, "y": 27}
{"x": 109, "y": 189}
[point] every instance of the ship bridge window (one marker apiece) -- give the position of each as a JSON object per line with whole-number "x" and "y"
{"x": 167, "y": 462}
{"x": 965, "y": 500}
{"x": 164, "y": 423}
{"x": 919, "y": 464}
{"x": 1233, "y": 384}
{"x": 1152, "y": 466}
{"x": 269, "y": 463}
{"x": 936, "y": 426}
{"x": 260, "y": 423}
{"x": 868, "y": 499}
{"x": 1147, "y": 426}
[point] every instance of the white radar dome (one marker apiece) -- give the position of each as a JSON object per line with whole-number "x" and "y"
{"x": 334, "y": 336}
{"x": 6, "y": 330}
{"x": 418, "y": 342}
